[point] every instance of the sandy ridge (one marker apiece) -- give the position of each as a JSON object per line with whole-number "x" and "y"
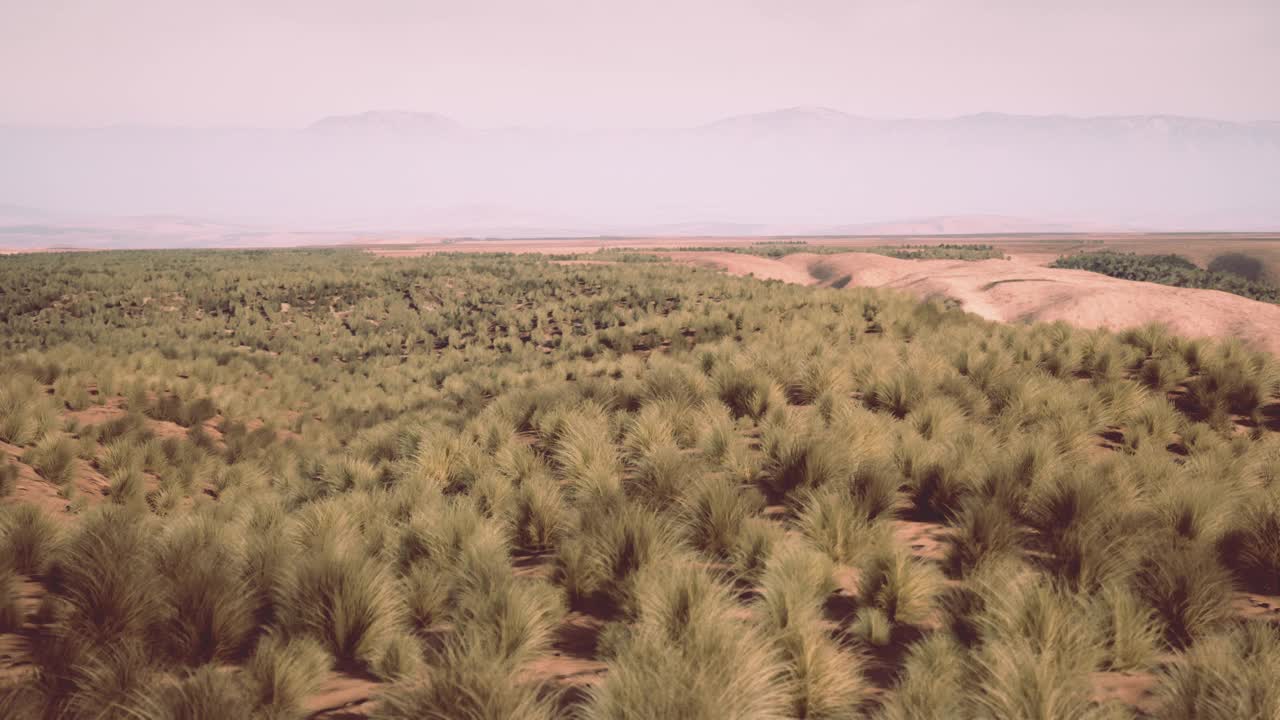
{"x": 1021, "y": 290}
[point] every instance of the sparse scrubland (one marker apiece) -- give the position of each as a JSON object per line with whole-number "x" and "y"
{"x": 489, "y": 487}
{"x": 902, "y": 251}
{"x": 1236, "y": 273}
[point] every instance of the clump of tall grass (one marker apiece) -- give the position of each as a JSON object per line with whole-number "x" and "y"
{"x": 933, "y": 680}
{"x": 661, "y": 475}
{"x": 11, "y": 615}
{"x": 794, "y": 585}
{"x": 1082, "y": 525}
{"x": 1249, "y": 547}
{"x": 540, "y": 517}
{"x": 1037, "y": 647}
{"x": 585, "y": 455}
{"x": 29, "y": 538}
{"x": 1232, "y": 380}
{"x": 1186, "y": 586}
{"x": 209, "y": 692}
{"x": 1228, "y": 675}
{"x": 282, "y": 673}
{"x": 600, "y": 560}
{"x": 687, "y": 656}
{"x": 465, "y": 685}
{"x": 210, "y": 614}
{"x": 747, "y": 392}
{"x": 1131, "y": 631}
{"x": 985, "y": 531}
{"x": 106, "y": 575}
{"x": 54, "y": 458}
{"x": 754, "y": 546}
{"x": 898, "y": 588}
{"x": 496, "y": 614}
{"x": 1152, "y": 424}
{"x": 1163, "y": 373}
{"x": 26, "y": 413}
{"x": 939, "y": 478}
{"x": 8, "y": 477}
{"x": 110, "y": 682}
{"x": 797, "y": 456}
{"x": 822, "y": 679}
{"x": 713, "y": 514}
{"x": 346, "y": 601}
{"x": 833, "y": 521}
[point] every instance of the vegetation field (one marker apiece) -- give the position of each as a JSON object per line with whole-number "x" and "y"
{"x": 1236, "y": 273}
{"x": 903, "y": 251}
{"x": 300, "y": 484}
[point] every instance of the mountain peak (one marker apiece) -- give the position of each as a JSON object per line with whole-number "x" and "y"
{"x": 809, "y": 118}
{"x": 387, "y": 121}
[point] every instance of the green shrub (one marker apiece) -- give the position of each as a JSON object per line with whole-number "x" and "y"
{"x": 1171, "y": 270}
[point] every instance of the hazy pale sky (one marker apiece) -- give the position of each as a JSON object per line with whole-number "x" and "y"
{"x": 585, "y": 63}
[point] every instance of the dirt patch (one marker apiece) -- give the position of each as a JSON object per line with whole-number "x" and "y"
{"x": 342, "y": 696}
{"x": 1134, "y": 689}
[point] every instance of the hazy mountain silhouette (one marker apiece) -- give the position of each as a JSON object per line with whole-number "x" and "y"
{"x": 788, "y": 170}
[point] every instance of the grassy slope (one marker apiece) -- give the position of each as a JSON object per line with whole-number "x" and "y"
{"x": 498, "y": 487}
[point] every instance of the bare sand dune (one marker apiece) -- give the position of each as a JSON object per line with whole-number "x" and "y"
{"x": 1020, "y": 290}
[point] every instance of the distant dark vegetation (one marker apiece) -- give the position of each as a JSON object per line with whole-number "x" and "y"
{"x": 777, "y": 249}
{"x": 1178, "y": 271}
{"x": 1246, "y": 266}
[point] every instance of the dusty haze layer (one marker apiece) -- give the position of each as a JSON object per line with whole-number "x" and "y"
{"x": 790, "y": 171}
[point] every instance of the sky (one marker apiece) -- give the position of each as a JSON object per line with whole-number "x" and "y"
{"x": 642, "y": 63}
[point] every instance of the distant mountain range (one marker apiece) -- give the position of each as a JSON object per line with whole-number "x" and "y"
{"x": 789, "y": 170}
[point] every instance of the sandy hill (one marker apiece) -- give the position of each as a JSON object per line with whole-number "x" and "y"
{"x": 1018, "y": 290}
